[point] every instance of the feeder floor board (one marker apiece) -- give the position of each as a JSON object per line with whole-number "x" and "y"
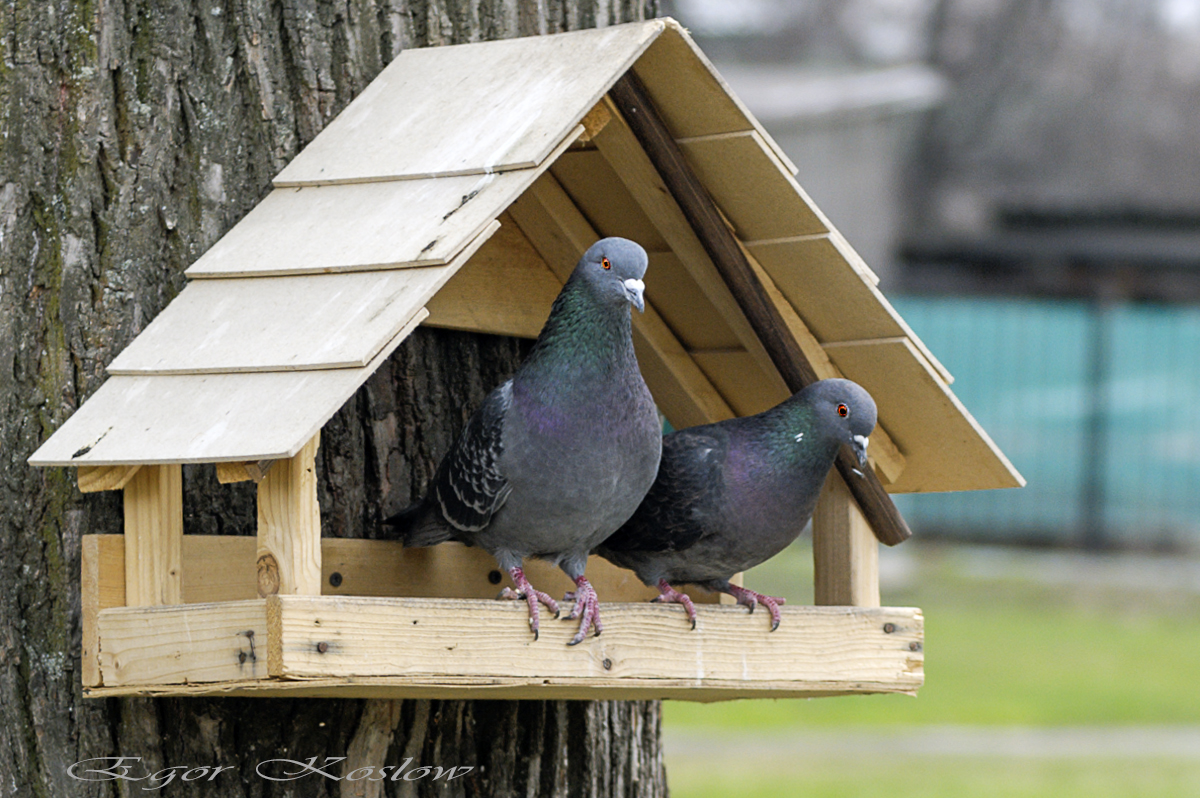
{"x": 453, "y": 648}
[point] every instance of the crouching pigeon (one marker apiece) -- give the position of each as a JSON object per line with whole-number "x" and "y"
{"x": 560, "y": 456}
{"x": 731, "y": 495}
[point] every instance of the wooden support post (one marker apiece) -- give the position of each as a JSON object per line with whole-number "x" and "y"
{"x": 722, "y": 247}
{"x": 154, "y": 536}
{"x": 845, "y": 552}
{"x": 289, "y": 526}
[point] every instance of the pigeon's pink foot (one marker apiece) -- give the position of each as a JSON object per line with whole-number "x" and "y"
{"x": 587, "y": 608}
{"x": 532, "y": 597}
{"x": 749, "y": 598}
{"x": 672, "y": 596}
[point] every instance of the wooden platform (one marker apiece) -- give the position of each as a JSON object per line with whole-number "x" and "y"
{"x": 419, "y": 647}
{"x": 475, "y": 648}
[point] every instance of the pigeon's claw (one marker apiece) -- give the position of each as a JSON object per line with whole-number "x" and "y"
{"x": 672, "y": 596}
{"x": 532, "y": 596}
{"x": 587, "y": 608}
{"x": 750, "y": 599}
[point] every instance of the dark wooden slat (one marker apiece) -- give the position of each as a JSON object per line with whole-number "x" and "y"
{"x": 718, "y": 241}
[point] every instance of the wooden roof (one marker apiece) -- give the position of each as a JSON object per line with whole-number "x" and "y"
{"x": 458, "y": 190}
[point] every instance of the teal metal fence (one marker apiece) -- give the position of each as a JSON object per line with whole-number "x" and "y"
{"x": 1097, "y": 406}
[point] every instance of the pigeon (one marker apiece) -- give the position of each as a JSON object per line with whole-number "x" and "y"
{"x": 559, "y": 456}
{"x": 731, "y": 495}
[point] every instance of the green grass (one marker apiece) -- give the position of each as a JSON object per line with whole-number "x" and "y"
{"x": 937, "y": 777}
{"x": 1002, "y": 651}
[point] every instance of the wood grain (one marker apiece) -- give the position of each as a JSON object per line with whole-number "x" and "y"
{"x": 102, "y": 585}
{"x": 288, "y": 554}
{"x": 186, "y": 644}
{"x": 99, "y": 478}
{"x": 642, "y": 645}
{"x": 154, "y": 536}
{"x": 222, "y": 568}
{"x": 443, "y": 647}
{"x": 845, "y": 552}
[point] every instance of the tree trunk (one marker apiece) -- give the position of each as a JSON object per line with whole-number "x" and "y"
{"x": 135, "y": 133}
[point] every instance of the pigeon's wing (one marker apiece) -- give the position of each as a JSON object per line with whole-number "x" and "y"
{"x": 469, "y": 486}
{"x": 676, "y": 512}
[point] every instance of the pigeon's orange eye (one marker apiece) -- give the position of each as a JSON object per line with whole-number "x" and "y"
{"x": 604, "y": 262}
{"x": 843, "y": 411}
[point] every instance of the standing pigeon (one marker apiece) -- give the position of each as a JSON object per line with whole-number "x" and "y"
{"x": 560, "y": 456}
{"x": 734, "y": 494}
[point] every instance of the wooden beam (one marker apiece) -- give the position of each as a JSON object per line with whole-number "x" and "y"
{"x": 845, "y": 553}
{"x": 643, "y": 645}
{"x": 594, "y": 122}
{"x": 154, "y": 536}
{"x": 722, "y": 247}
{"x": 289, "y": 526}
{"x": 221, "y": 568}
{"x": 444, "y": 647}
{"x": 252, "y": 471}
{"x": 508, "y": 689}
{"x": 98, "y": 478}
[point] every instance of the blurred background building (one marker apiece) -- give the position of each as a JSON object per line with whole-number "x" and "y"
{"x": 1024, "y": 175}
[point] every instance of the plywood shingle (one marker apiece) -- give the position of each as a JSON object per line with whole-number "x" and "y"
{"x": 945, "y": 448}
{"x": 513, "y": 101}
{"x": 752, "y": 187}
{"x": 364, "y": 227}
{"x": 205, "y": 418}
{"x": 824, "y": 280}
{"x": 312, "y": 321}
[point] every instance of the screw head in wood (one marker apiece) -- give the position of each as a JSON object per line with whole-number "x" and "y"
{"x": 322, "y": 647}
{"x": 335, "y": 579}
{"x": 494, "y": 577}
{"x": 888, "y": 628}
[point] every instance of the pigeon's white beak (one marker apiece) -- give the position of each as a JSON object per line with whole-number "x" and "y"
{"x": 859, "y": 444}
{"x": 634, "y": 289}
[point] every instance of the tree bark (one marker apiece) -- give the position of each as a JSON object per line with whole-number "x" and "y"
{"x": 135, "y": 133}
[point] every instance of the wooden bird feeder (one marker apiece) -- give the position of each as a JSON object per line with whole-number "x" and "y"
{"x": 458, "y": 190}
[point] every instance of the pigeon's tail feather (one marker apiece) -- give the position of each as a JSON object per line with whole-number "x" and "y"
{"x": 418, "y": 525}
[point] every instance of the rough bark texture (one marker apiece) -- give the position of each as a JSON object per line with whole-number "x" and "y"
{"x": 135, "y": 133}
